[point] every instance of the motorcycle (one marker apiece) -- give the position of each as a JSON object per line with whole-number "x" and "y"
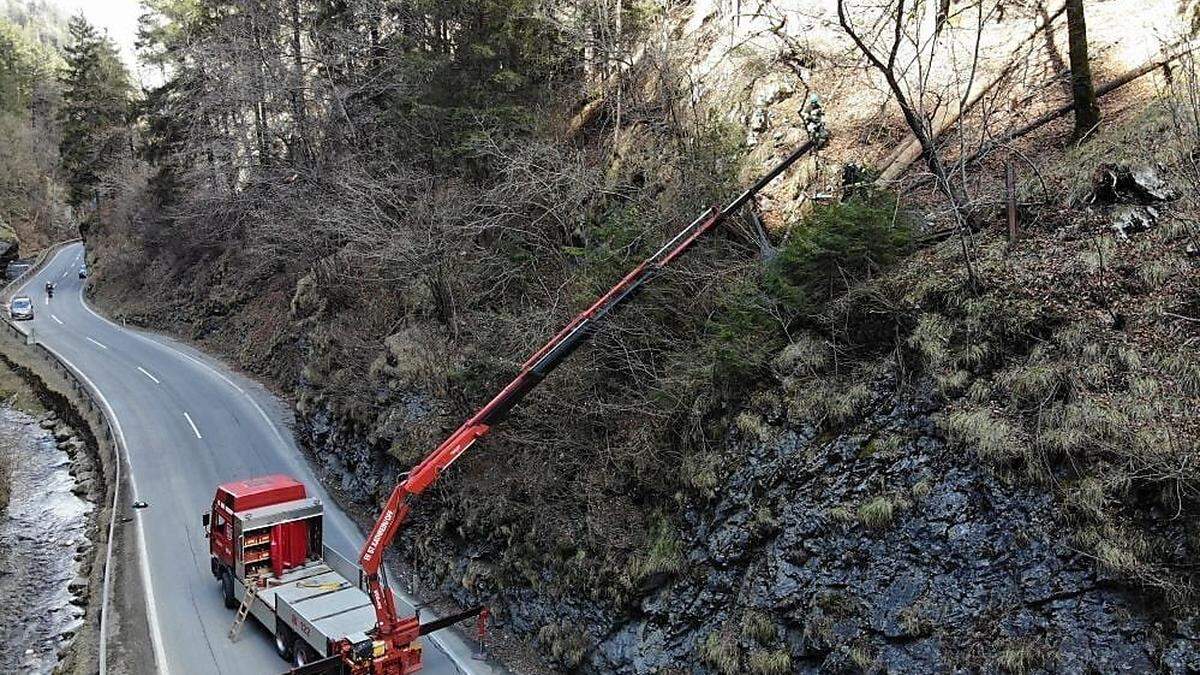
{"x": 49, "y": 290}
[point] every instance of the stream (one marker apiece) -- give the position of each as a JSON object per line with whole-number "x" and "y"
{"x": 39, "y": 534}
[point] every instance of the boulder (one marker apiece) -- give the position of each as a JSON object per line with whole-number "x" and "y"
{"x": 1127, "y": 219}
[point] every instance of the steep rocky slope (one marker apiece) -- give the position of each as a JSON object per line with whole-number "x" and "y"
{"x": 826, "y": 444}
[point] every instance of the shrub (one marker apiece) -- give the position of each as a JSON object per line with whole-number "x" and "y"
{"x": 833, "y": 248}
{"x": 836, "y": 246}
{"x": 743, "y": 337}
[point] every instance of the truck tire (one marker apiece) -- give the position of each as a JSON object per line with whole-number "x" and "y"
{"x": 303, "y": 654}
{"x": 284, "y": 641}
{"x": 227, "y": 590}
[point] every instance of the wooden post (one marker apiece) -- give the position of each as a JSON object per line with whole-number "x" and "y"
{"x": 1010, "y": 189}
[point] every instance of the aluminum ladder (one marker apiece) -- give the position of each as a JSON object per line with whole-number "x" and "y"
{"x": 243, "y": 611}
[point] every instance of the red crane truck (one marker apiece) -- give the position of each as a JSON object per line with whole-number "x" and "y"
{"x": 320, "y": 607}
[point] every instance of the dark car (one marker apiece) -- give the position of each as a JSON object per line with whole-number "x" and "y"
{"x": 21, "y": 308}
{"x": 82, "y": 272}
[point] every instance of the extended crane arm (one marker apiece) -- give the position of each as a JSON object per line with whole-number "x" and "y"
{"x": 532, "y": 373}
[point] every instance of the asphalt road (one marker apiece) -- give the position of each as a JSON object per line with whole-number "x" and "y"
{"x": 190, "y": 423}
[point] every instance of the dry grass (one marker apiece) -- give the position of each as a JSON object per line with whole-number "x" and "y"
{"x": 721, "y": 653}
{"x": 841, "y": 514}
{"x": 664, "y": 554}
{"x": 913, "y": 622}
{"x": 828, "y": 402}
{"x": 1020, "y": 657}
{"x": 565, "y": 645}
{"x": 922, "y": 488}
{"x": 860, "y": 655}
{"x": 992, "y": 438}
{"x": 777, "y": 662}
{"x": 758, "y": 627}
{"x": 877, "y": 513}
{"x": 702, "y": 472}
{"x": 807, "y": 354}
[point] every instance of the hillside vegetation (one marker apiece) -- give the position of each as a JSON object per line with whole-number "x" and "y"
{"x": 858, "y": 427}
{"x": 32, "y": 203}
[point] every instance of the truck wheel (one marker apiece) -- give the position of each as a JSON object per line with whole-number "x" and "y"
{"x": 227, "y": 590}
{"x": 303, "y": 654}
{"x": 284, "y": 641}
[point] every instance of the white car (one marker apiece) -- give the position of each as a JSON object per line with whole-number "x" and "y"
{"x": 21, "y": 308}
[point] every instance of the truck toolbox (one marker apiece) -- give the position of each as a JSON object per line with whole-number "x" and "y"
{"x": 323, "y": 609}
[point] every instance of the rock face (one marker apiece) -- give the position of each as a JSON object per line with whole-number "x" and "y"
{"x": 827, "y": 552}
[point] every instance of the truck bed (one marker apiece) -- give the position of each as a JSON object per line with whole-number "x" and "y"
{"x": 317, "y": 602}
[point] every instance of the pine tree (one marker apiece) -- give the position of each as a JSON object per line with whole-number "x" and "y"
{"x": 95, "y": 102}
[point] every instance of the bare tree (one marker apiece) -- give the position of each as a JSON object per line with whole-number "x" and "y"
{"x": 901, "y": 46}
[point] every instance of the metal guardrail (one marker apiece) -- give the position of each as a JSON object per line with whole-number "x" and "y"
{"x": 97, "y": 415}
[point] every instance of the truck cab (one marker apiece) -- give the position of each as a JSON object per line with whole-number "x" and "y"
{"x": 260, "y": 528}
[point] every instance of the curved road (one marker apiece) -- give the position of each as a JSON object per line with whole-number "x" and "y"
{"x": 189, "y": 423}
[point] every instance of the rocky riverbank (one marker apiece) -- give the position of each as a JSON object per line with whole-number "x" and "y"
{"x": 45, "y": 545}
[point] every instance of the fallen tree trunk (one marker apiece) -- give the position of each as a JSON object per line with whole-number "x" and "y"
{"x": 1107, "y": 88}
{"x": 902, "y": 157}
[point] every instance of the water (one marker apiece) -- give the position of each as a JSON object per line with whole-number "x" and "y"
{"x": 39, "y": 534}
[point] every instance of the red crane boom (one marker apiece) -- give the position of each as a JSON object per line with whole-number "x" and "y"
{"x": 398, "y": 634}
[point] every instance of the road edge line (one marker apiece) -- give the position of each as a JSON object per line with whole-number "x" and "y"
{"x": 144, "y": 561}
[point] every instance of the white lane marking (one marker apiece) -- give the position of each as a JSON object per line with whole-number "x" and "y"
{"x": 147, "y": 374}
{"x": 97, "y": 343}
{"x": 64, "y": 274}
{"x": 194, "y": 429}
{"x": 56, "y": 319}
{"x": 47, "y": 300}
{"x": 179, "y": 352}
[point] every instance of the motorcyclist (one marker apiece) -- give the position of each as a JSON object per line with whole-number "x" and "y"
{"x": 50, "y": 289}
